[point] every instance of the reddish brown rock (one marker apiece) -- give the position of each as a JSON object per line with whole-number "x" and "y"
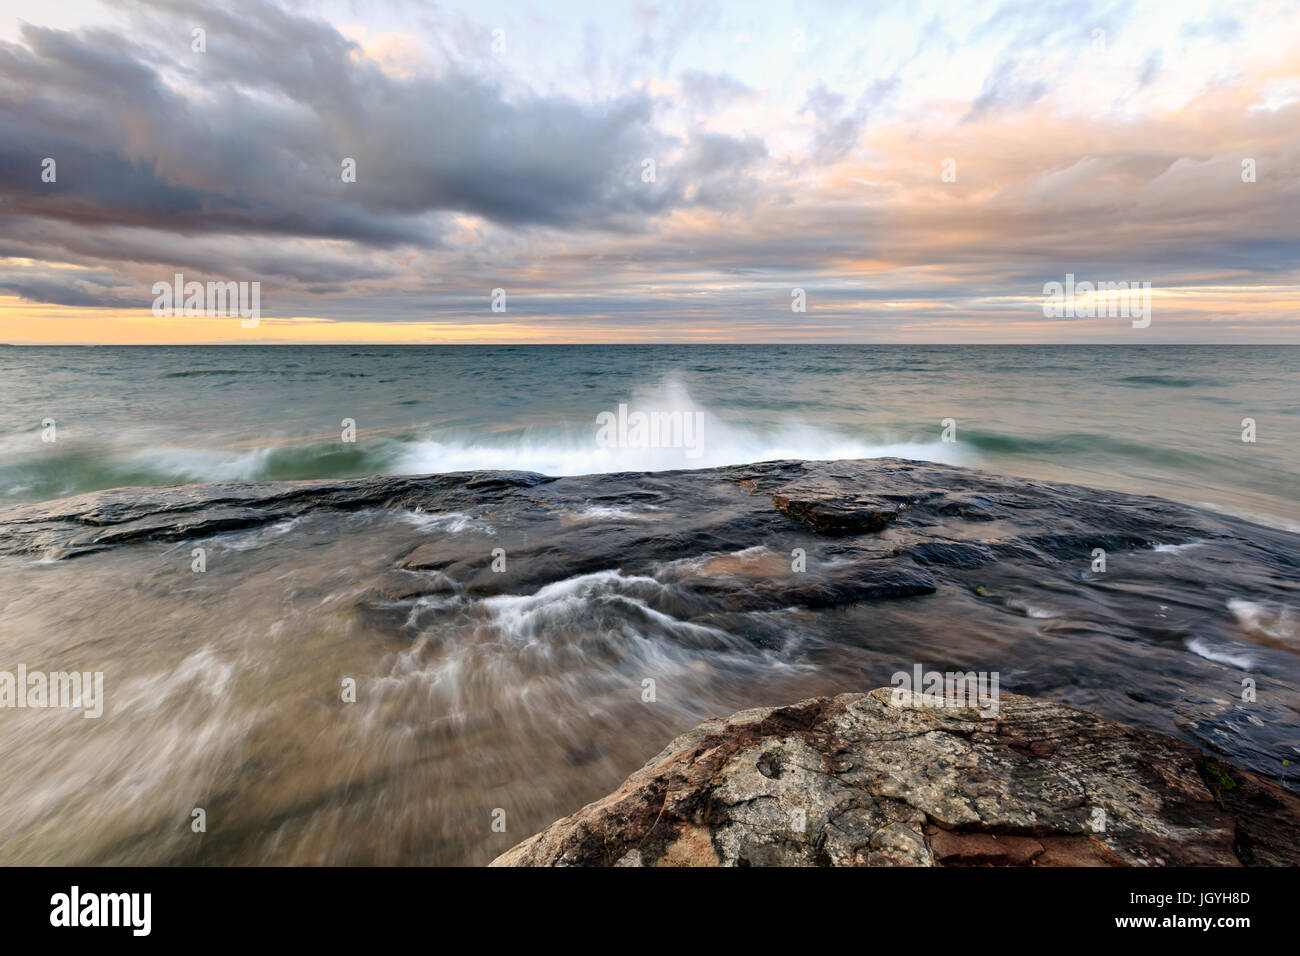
{"x": 867, "y": 779}
{"x": 829, "y": 509}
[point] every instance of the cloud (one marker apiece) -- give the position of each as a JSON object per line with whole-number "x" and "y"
{"x": 775, "y": 168}
{"x": 248, "y": 137}
{"x": 710, "y": 92}
{"x": 1010, "y": 87}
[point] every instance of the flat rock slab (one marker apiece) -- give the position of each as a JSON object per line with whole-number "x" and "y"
{"x": 827, "y": 508}
{"x": 836, "y": 559}
{"x": 871, "y": 780}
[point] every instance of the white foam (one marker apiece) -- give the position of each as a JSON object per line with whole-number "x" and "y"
{"x": 518, "y": 614}
{"x": 753, "y": 553}
{"x": 197, "y": 464}
{"x": 204, "y": 670}
{"x": 1175, "y": 548}
{"x": 606, "y": 511}
{"x": 1033, "y": 611}
{"x": 249, "y": 540}
{"x": 574, "y": 450}
{"x": 583, "y": 640}
{"x": 1277, "y": 621}
{"x": 150, "y": 457}
{"x": 1222, "y": 655}
{"x": 1258, "y": 517}
{"x": 452, "y": 522}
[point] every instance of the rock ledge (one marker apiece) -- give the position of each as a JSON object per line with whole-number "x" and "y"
{"x": 871, "y": 780}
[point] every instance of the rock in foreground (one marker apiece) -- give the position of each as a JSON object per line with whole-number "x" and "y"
{"x": 857, "y": 780}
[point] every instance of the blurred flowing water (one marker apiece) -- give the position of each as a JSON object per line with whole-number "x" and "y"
{"x": 223, "y": 687}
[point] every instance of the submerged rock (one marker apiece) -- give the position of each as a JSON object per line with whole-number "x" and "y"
{"x": 863, "y": 780}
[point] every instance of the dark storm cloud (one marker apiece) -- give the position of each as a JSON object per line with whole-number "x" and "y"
{"x": 87, "y": 288}
{"x": 138, "y": 248}
{"x": 248, "y": 138}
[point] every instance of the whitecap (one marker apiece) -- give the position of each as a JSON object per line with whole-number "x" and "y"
{"x": 452, "y": 522}
{"x": 1176, "y": 548}
{"x": 1273, "y": 620}
{"x": 1221, "y": 655}
{"x": 575, "y": 451}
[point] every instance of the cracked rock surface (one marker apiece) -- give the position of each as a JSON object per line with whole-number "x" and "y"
{"x": 870, "y": 780}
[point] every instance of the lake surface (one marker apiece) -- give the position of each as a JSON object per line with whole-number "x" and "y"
{"x": 1161, "y": 420}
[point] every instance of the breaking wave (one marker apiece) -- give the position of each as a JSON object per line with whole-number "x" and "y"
{"x": 32, "y": 470}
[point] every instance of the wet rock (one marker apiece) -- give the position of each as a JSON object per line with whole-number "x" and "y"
{"x": 706, "y": 510}
{"x": 867, "y": 582}
{"x": 402, "y": 585}
{"x": 699, "y": 569}
{"x": 862, "y": 780}
{"x": 828, "y": 508}
{"x": 502, "y": 481}
{"x": 970, "y": 507}
{"x": 951, "y": 555}
{"x": 1266, "y": 816}
{"x": 1068, "y": 547}
{"x": 102, "y": 519}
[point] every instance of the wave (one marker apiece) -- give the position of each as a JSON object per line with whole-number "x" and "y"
{"x": 1165, "y": 381}
{"x": 1078, "y": 443}
{"x": 722, "y": 442}
{"x": 567, "y": 455}
{"x": 206, "y": 372}
{"x": 203, "y": 372}
{"x": 1267, "y": 621}
{"x": 1222, "y": 655}
{"x": 32, "y": 471}
{"x": 1255, "y": 517}
{"x": 582, "y": 641}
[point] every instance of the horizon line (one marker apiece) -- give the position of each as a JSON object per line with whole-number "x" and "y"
{"x": 342, "y": 345}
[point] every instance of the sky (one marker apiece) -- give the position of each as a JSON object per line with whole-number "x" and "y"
{"x": 649, "y": 172}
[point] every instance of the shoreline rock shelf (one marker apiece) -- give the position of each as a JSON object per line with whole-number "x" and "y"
{"x": 734, "y": 587}
{"x": 881, "y": 779}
